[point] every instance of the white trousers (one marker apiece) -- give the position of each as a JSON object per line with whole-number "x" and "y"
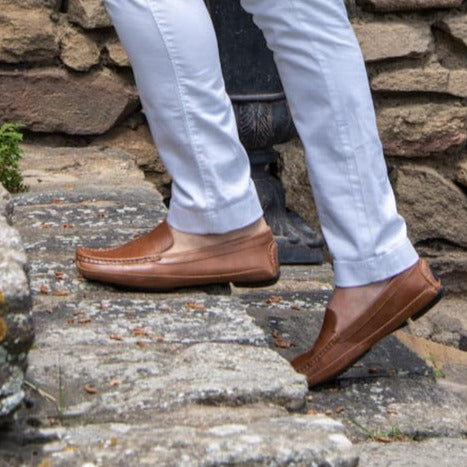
{"x": 175, "y": 59}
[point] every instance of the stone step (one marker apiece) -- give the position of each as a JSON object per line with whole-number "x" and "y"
{"x": 89, "y": 207}
{"x": 442, "y": 452}
{"x": 133, "y": 383}
{"x": 185, "y": 320}
{"x": 289, "y": 440}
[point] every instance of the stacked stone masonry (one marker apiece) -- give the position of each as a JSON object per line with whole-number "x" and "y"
{"x": 65, "y": 76}
{"x": 16, "y": 329}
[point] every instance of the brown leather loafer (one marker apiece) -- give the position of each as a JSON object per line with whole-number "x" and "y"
{"x": 143, "y": 263}
{"x": 342, "y": 342}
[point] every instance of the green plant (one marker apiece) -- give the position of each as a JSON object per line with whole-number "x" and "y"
{"x": 10, "y": 155}
{"x": 381, "y": 436}
{"x": 437, "y": 372}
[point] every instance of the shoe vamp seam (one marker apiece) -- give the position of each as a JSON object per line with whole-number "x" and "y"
{"x": 158, "y": 258}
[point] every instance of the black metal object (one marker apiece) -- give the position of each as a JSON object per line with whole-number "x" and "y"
{"x": 263, "y": 119}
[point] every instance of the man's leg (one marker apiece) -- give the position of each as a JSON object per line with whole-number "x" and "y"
{"x": 174, "y": 55}
{"x": 325, "y": 80}
{"x": 380, "y": 282}
{"x": 215, "y": 231}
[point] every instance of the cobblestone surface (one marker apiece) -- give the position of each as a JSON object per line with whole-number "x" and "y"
{"x": 198, "y": 376}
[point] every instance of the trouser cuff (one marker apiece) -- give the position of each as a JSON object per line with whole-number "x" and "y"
{"x": 221, "y": 220}
{"x": 377, "y": 268}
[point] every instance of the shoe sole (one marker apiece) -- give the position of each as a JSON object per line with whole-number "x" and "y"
{"x": 257, "y": 284}
{"x": 342, "y": 368}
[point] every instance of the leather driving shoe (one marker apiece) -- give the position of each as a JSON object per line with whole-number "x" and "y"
{"x": 145, "y": 264}
{"x": 342, "y": 341}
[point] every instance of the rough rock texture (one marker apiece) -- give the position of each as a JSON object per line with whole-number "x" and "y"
{"x": 434, "y": 207}
{"x": 456, "y": 26}
{"x": 117, "y": 53}
{"x": 78, "y": 51}
{"x": 296, "y": 440}
{"x": 137, "y": 140}
{"x": 33, "y": 40}
{"x": 52, "y": 100}
{"x": 16, "y": 329}
{"x": 187, "y": 375}
{"x": 89, "y": 14}
{"x": 65, "y": 166}
{"x": 380, "y": 41}
{"x": 422, "y": 129}
{"x": 403, "y": 5}
{"x": 461, "y": 175}
{"x": 431, "y": 79}
{"x": 442, "y": 452}
{"x": 119, "y": 377}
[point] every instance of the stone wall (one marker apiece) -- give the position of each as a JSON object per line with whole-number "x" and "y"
{"x": 16, "y": 328}
{"x": 64, "y": 75}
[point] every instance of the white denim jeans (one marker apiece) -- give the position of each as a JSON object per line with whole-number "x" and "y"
{"x": 173, "y": 51}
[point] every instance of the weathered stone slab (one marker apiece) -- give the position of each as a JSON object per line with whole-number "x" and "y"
{"x": 281, "y": 441}
{"x": 451, "y": 266}
{"x": 49, "y": 4}
{"x": 408, "y": 5}
{"x": 95, "y": 208}
{"x": 442, "y": 452}
{"x": 67, "y": 167}
{"x": 431, "y": 79}
{"x": 135, "y": 382}
{"x": 27, "y": 33}
{"x": 422, "y": 129}
{"x": 52, "y": 100}
{"x": 446, "y": 324}
{"x": 417, "y": 406}
{"x": 89, "y": 14}
{"x": 434, "y": 207}
{"x": 16, "y": 329}
{"x": 185, "y": 320}
{"x": 380, "y": 41}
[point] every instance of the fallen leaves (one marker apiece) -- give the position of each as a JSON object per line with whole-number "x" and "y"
{"x": 85, "y": 320}
{"x": 195, "y": 306}
{"x": 61, "y": 293}
{"x": 79, "y": 317}
{"x": 90, "y": 389}
{"x": 116, "y": 337}
{"x": 279, "y": 341}
{"x": 273, "y": 299}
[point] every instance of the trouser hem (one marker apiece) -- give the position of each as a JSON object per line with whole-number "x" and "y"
{"x": 221, "y": 220}
{"x": 377, "y": 268}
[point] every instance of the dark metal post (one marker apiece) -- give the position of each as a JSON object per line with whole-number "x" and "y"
{"x": 263, "y": 120}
